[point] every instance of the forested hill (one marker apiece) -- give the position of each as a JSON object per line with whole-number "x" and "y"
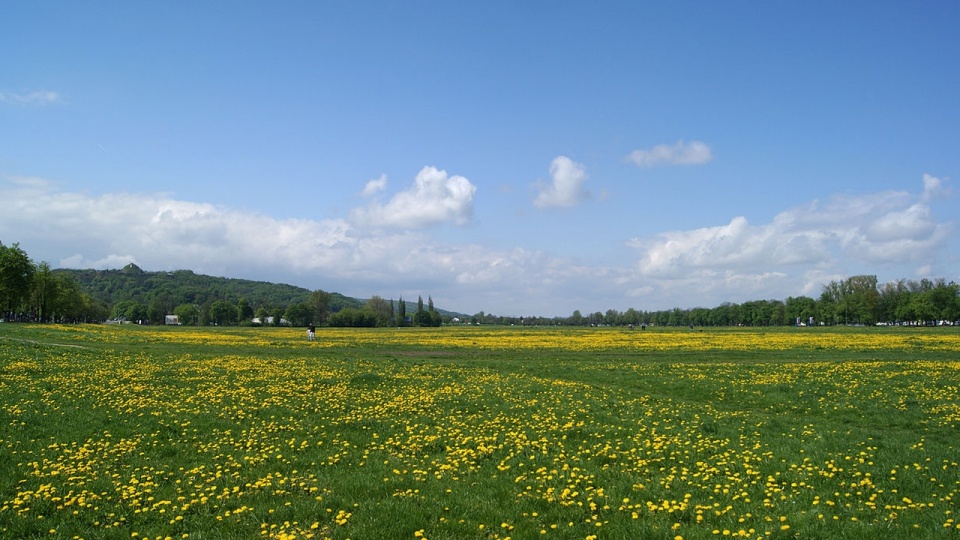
{"x": 185, "y": 287}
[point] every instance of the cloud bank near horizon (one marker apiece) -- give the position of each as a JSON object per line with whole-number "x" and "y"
{"x": 386, "y": 248}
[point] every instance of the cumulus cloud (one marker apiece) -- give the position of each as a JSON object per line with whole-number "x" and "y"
{"x": 934, "y": 188}
{"x": 870, "y": 231}
{"x": 566, "y": 186}
{"x": 40, "y": 97}
{"x": 681, "y": 153}
{"x": 106, "y": 263}
{"x": 433, "y": 198}
{"x": 375, "y": 186}
{"x": 159, "y": 232}
{"x": 794, "y": 253}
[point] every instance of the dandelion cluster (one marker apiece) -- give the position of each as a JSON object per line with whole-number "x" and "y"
{"x": 253, "y": 433}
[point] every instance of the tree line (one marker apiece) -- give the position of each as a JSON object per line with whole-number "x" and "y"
{"x": 34, "y": 292}
{"x": 856, "y": 300}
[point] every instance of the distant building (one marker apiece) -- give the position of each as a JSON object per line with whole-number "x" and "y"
{"x": 172, "y": 319}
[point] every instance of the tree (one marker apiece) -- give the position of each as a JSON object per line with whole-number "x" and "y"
{"x": 187, "y": 314}
{"x": 777, "y": 312}
{"x": 381, "y": 309}
{"x": 854, "y": 300}
{"x": 799, "y": 307}
{"x": 277, "y": 314}
{"x": 420, "y": 317}
{"x": 16, "y": 278}
{"x": 726, "y": 314}
{"x": 699, "y": 317}
{"x": 300, "y": 314}
{"x": 402, "y": 313}
{"x": 244, "y": 311}
{"x": 434, "y": 316}
{"x": 137, "y": 312}
{"x": 862, "y": 298}
{"x": 44, "y": 292}
{"x": 943, "y": 296}
{"x": 320, "y": 301}
{"x": 161, "y": 306}
{"x": 71, "y": 304}
{"x": 223, "y": 312}
{"x": 353, "y": 317}
{"x": 893, "y": 296}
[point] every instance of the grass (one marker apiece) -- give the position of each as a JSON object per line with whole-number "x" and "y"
{"x": 478, "y": 433}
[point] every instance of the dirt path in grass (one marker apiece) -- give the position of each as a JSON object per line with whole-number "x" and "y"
{"x": 43, "y": 343}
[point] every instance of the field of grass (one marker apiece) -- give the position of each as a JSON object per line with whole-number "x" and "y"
{"x": 478, "y": 433}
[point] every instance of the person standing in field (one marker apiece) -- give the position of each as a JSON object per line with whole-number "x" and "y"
{"x": 311, "y": 332}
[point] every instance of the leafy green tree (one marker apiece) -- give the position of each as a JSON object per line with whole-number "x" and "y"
{"x": 71, "y": 304}
{"x": 893, "y": 296}
{"x": 137, "y": 312}
{"x": 777, "y": 313}
{"x": 120, "y": 309}
{"x": 922, "y": 306}
{"x": 726, "y": 314}
{"x": 355, "y": 318}
{"x": 262, "y": 314}
{"x": 44, "y": 292}
{"x": 160, "y": 306}
{"x": 16, "y": 278}
{"x": 699, "y": 317}
{"x": 382, "y": 309}
{"x": 799, "y": 307}
{"x": 244, "y": 311}
{"x": 435, "y": 318}
{"x": 187, "y": 314}
{"x": 277, "y": 314}
{"x": 300, "y": 314}
{"x": 943, "y": 297}
{"x": 223, "y": 312}
{"x": 426, "y": 317}
{"x": 421, "y": 317}
{"x": 320, "y": 301}
{"x": 205, "y": 318}
{"x": 402, "y": 313}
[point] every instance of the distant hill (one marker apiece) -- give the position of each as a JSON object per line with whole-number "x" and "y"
{"x": 171, "y": 289}
{"x": 131, "y": 283}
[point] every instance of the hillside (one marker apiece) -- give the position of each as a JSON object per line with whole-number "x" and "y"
{"x": 185, "y": 287}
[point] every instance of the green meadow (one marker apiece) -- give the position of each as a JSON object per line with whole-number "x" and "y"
{"x": 478, "y": 433}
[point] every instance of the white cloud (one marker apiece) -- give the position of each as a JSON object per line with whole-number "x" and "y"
{"x": 158, "y": 232}
{"x": 870, "y": 231}
{"x": 934, "y": 188}
{"x": 106, "y": 263}
{"x": 433, "y": 198}
{"x": 40, "y": 97}
{"x": 566, "y": 186}
{"x": 681, "y": 153}
{"x": 796, "y": 252}
{"x": 375, "y": 186}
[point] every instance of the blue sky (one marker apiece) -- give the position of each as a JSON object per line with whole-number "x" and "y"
{"x": 517, "y": 158}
